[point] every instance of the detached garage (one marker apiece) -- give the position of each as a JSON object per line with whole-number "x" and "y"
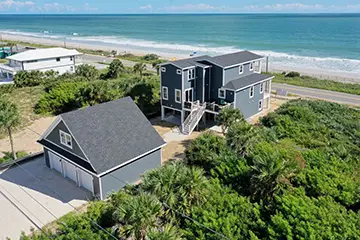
{"x": 100, "y": 148}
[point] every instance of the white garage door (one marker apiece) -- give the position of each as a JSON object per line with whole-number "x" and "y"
{"x": 55, "y": 162}
{"x": 69, "y": 171}
{"x": 86, "y": 180}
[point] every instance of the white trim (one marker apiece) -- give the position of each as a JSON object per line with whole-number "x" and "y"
{"x": 163, "y": 69}
{"x": 261, "y": 88}
{"x": 177, "y": 90}
{"x": 260, "y": 103}
{"x": 77, "y": 165}
{"x": 219, "y": 95}
{"x": 61, "y": 132}
{"x": 257, "y": 59}
{"x": 51, "y": 127}
{"x": 251, "y": 66}
{"x": 100, "y": 186}
{"x": 192, "y": 93}
{"x": 167, "y": 93}
{"x": 241, "y": 67}
{"x": 253, "y": 91}
{"x": 253, "y": 84}
{"x": 178, "y": 71}
{"x": 191, "y": 74}
{"x": 131, "y": 160}
{"x": 175, "y": 109}
{"x": 223, "y": 77}
{"x": 203, "y": 83}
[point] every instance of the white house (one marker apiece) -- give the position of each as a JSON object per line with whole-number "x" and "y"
{"x": 60, "y": 60}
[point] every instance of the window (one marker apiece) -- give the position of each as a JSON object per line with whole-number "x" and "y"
{"x": 163, "y": 69}
{"x": 262, "y": 87}
{"x": 251, "y": 92}
{"x": 71, "y": 58}
{"x": 178, "y": 71}
{"x": 241, "y": 69}
{"x": 260, "y": 105}
{"x": 222, "y": 93}
{"x": 251, "y": 66}
{"x": 65, "y": 139}
{"x": 58, "y": 59}
{"x": 165, "y": 93}
{"x": 188, "y": 95}
{"x": 31, "y": 61}
{"x": 71, "y": 68}
{"x": 177, "y": 96}
{"x": 191, "y": 73}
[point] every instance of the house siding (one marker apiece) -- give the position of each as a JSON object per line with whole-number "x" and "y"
{"x": 233, "y": 73}
{"x": 129, "y": 173}
{"x": 172, "y": 81}
{"x": 247, "y": 105}
{"x": 215, "y": 82}
{"x": 63, "y": 66}
{"x": 198, "y": 90}
{"x": 54, "y": 137}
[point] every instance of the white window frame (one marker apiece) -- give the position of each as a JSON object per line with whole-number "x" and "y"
{"x": 251, "y": 66}
{"x": 241, "y": 69}
{"x": 251, "y": 92}
{"x": 260, "y": 105}
{"x": 262, "y": 87}
{"x": 191, "y": 74}
{"x": 178, "y": 91}
{"x": 167, "y": 93}
{"x": 163, "y": 69}
{"x": 63, "y": 139}
{"x": 178, "y": 71}
{"x": 219, "y": 93}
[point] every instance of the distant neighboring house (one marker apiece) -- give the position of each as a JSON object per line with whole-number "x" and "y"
{"x": 201, "y": 86}
{"x": 102, "y": 147}
{"x": 60, "y": 60}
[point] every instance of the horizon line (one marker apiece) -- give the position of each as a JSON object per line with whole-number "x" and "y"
{"x": 180, "y": 13}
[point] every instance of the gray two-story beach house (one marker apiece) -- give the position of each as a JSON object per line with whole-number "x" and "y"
{"x": 201, "y": 86}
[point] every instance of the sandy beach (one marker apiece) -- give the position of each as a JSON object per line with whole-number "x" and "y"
{"x": 273, "y": 67}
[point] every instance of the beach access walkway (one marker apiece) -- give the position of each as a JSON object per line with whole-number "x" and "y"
{"x": 331, "y": 96}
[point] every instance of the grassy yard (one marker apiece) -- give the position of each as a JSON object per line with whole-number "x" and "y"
{"x": 311, "y": 82}
{"x": 137, "y": 58}
{"x": 3, "y": 60}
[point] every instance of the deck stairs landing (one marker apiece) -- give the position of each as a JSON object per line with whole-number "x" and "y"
{"x": 193, "y": 119}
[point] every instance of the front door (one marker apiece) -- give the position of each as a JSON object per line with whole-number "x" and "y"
{"x": 189, "y": 95}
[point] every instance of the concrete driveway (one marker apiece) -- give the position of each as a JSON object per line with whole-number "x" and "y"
{"x": 19, "y": 212}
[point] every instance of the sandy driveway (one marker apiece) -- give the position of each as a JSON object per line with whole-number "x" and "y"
{"x": 25, "y": 140}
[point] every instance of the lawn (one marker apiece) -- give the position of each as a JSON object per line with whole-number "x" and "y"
{"x": 3, "y": 60}
{"x": 311, "y": 82}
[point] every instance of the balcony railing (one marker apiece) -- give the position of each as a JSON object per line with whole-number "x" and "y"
{"x": 213, "y": 107}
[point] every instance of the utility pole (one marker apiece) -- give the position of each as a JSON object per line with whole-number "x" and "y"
{"x": 267, "y": 64}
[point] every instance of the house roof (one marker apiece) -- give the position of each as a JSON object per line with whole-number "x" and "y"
{"x": 112, "y": 133}
{"x": 43, "y": 53}
{"x": 188, "y": 62}
{"x": 245, "y": 81}
{"x": 227, "y": 60}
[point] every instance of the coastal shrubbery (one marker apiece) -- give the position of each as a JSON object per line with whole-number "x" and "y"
{"x": 297, "y": 179}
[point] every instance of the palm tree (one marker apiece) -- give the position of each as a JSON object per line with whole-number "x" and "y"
{"x": 11, "y": 45}
{"x": 9, "y": 118}
{"x": 156, "y": 65}
{"x": 241, "y": 137}
{"x": 115, "y": 69}
{"x": 139, "y": 68}
{"x": 138, "y": 215}
{"x": 168, "y": 232}
{"x": 177, "y": 185}
{"x": 228, "y": 116}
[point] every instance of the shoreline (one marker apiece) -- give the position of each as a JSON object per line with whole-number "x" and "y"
{"x": 346, "y": 77}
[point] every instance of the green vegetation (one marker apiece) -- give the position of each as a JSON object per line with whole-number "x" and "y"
{"x": 3, "y": 60}
{"x": 9, "y": 119}
{"x": 293, "y": 176}
{"x": 148, "y": 58}
{"x": 8, "y": 156}
{"x": 294, "y": 78}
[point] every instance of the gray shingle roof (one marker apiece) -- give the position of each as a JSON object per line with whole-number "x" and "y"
{"x": 246, "y": 81}
{"x": 234, "y": 58}
{"x": 190, "y": 62}
{"x": 112, "y": 133}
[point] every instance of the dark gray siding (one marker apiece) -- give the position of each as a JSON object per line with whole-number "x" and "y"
{"x": 198, "y": 89}
{"x": 129, "y": 173}
{"x": 96, "y": 184}
{"x": 54, "y": 137}
{"x": 215, "y": 82}
{"x": 233, "y": 73}
{"x": 46, "y": 158}
{"x": 247, "y": 105}
{"x": 229, "y": 96}
{"x": 172, "y": 81}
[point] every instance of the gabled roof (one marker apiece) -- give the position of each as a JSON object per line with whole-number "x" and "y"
{"x": 112, "y": 133}
{"x": 188, "y": 62}
{"x": 231, "y": 59}
{"x": 245, "y": 81}
{"x": 43, "y": 53}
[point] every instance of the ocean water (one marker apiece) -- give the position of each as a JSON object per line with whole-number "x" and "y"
{"x": 322, "y": 41}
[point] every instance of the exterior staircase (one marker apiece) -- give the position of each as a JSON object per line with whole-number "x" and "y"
{"x": 197, "y": 111}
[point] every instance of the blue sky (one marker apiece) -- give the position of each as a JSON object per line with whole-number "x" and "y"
{"x": 178, "y": 6}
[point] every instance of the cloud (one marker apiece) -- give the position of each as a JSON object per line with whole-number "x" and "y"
{"x": 146, "y": 7}
{"x": 299, "y": 7}
{"x": 11, "y": 4}
{"x": 201, "y": 7}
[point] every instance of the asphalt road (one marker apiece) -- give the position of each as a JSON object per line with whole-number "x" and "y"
{"x": 332, "y": 96}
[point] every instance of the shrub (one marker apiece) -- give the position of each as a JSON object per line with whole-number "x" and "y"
{"x": 87, "y": 71}
{"x": 8, "y": 156}
{"x": 292, "y": 74}
{"x": 150, "y": 57}
{"x": 28, "y": 79}
{"x": 115, "y": 69}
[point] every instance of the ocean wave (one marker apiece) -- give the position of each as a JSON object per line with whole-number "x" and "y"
{"x": 276, "y": 58}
